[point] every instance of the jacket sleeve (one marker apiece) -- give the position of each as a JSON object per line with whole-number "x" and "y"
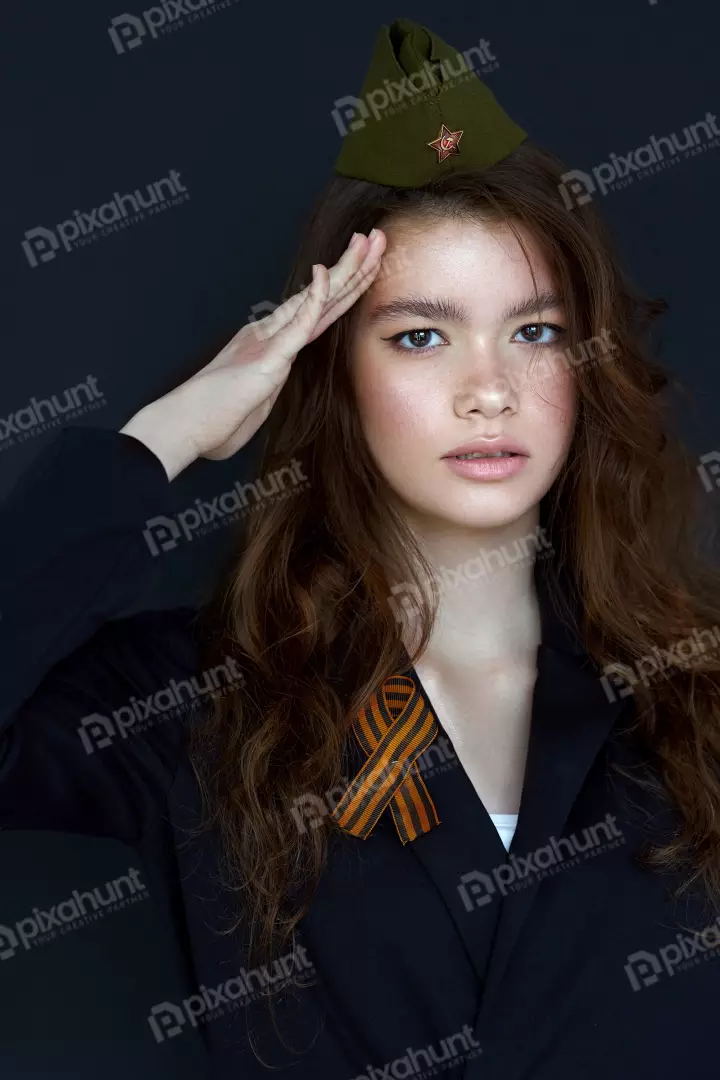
{"x": 93, "y": 706}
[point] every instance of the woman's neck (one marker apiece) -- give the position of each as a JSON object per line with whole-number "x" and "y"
{"x": 488, "y": 607}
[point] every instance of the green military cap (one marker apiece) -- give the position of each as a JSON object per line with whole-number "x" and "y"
{"x": 422, "y": 110}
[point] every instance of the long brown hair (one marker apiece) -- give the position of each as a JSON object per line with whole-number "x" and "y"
{"x": 306, "y": 615}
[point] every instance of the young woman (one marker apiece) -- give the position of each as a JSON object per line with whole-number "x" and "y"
{"x": 510, "y": 592}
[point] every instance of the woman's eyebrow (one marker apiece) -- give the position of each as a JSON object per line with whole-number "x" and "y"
{"x": 442, "y": 309}
{"x": 532, "y": 305}
{"x": 433, "y": 308}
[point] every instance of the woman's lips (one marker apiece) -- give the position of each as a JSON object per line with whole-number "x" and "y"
{"x": 490, "y": 468}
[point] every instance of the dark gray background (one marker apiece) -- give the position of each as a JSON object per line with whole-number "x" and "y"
{"x": 238, "y": 100}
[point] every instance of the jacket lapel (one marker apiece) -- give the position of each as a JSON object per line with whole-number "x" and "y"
{"x": 571, "y": 721}
{"x": 465, "y": 838}
{"x": 572, "y": 717}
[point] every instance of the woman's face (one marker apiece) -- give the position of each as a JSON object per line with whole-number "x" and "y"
{"x": 449, "y": 348}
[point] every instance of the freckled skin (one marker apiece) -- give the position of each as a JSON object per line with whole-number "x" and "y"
{"x": 490, "y": 379}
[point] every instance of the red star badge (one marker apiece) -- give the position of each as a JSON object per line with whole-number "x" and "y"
{"x": 446, "y": 143}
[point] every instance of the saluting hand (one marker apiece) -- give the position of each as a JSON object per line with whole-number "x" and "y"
{"x": 218, "y": 410}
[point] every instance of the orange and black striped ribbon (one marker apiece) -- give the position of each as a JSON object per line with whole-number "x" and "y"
{"x": 393, "y": 730}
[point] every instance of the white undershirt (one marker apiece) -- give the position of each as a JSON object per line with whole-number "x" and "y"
{"x": 505, "y": 825}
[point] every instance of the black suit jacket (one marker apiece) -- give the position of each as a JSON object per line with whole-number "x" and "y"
{"x": 560, "y": 959}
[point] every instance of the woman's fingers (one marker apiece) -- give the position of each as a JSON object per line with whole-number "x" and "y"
{"x": 350, "y": 260}
{"x": 332, "y": 313}
{"x": 355, "y": 260}
{"x": 359, "y": 284}
{"x": 288, "y": 341}
{"x": 350, "y": 263}
{"x": 375, "y": 248}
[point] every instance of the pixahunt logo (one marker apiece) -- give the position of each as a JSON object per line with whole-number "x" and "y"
{"x": 578, "y": 187}
{"x": 86, "y": 226}
{"x": 167, "y": 1019}
{"x": 423, "y": 1062}
{"x": 310, "y": 811}
{"x": 619, "y": 680}
{"x": 352, "y": 113}
{"x": 645, "y": 968}
{"x": 76, "y": 911}
{"x": 41, "y": 415}
{"x": 260, "y": 317}
{"x": 477, "y": 889}
{"x": 407, "y": 597}
{"x": 709, "y": 470}
{"x": 163, "y": 533}
{"x": 128, "y": 31}
{"x": 97, "y": 731}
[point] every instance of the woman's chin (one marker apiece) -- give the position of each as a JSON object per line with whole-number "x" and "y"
{"x": 491, "y": 512}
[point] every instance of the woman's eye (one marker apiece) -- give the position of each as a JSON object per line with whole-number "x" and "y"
{"x": 417, "y": 340}
{"x": 537, "y": 330}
